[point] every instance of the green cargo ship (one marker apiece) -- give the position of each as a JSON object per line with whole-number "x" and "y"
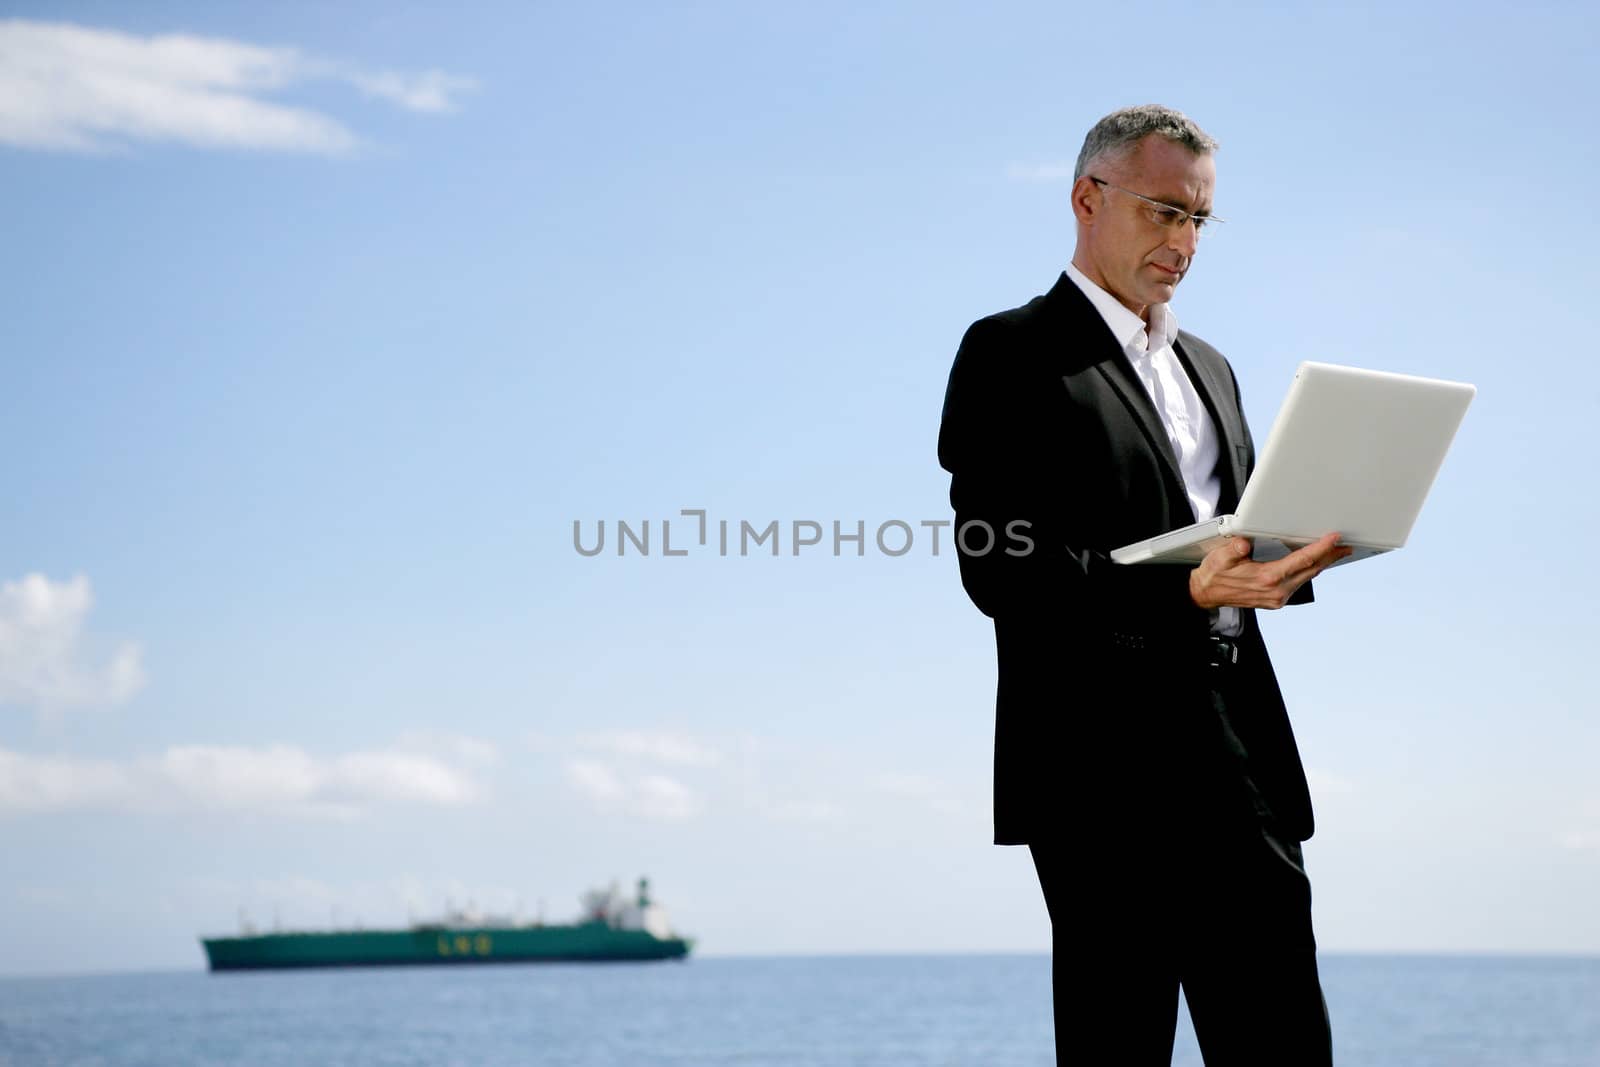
{"x": 611, "y": 929}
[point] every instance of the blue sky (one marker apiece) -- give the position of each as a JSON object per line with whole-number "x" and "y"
{"x": 322, "y": 328}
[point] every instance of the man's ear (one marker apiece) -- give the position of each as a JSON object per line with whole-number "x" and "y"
{"x": 1086, "y": 200}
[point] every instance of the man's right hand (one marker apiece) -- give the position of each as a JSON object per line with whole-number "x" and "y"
{"x": 1229, "y": 578}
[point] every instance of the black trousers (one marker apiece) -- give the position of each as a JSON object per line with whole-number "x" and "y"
{"x": 1217, "y": 904}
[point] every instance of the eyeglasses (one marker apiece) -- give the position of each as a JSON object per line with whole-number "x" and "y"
{"x": 1166, "y": 215}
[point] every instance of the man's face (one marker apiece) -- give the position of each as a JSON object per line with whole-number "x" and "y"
{"x": 1122, "y": 247}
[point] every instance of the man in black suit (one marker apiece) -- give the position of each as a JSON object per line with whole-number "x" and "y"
{"x": 1142, "y": 749}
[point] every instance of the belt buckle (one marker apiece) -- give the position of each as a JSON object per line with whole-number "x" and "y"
{"x": 1224, "y": 653}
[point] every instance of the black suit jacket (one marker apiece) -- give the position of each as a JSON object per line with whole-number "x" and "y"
{"x": 1101, "y": 691}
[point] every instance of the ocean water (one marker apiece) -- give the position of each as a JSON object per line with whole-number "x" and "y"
{"x": 868, "y": 1011}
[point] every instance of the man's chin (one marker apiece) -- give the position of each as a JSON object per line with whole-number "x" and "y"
{"x": 1160, "y": 292}
{"x": 1166, "y": 281}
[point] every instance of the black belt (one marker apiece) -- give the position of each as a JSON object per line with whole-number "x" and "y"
{"x": 1216, "y": 652}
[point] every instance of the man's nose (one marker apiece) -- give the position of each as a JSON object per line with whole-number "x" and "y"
{"x": 1184, "y": 239}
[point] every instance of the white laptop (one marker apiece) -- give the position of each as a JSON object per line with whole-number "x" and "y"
{"x": 1353, "y": 451}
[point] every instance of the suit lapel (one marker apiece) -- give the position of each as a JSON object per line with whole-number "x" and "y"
{"x": 1120, "y": 373}
{"x": 1219, "y": 401}
{"x": 1076, "y": 319}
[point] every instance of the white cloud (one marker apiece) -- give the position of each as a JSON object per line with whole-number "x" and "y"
{"x": 237, "y": 777}
{"x": 1579, "y": 840}
{"x": 274, "y": 779}
{"x": 672, "y": 777}
{"x": 595, "y": 780}
{"x": 629, "y": 780}
{"x": 431, "y": 91}
{"x": 42, "y": 658}
{"x": 647, "y": 796}
{"x": 44, "y": 783}
{"x": 79, "y": 88}
{"x": 660, "y": 797}
{"x": 286, "y": 779}
{"x": 657, "y": 746}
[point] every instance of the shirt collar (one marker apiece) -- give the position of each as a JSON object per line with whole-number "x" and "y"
{"x": 1125, "y": 325}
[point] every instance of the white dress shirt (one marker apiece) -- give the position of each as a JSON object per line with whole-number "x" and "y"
{"x": 1194, "y": 436}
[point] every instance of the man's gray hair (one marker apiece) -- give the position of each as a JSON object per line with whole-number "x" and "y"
{"x": 1119, "y": 131}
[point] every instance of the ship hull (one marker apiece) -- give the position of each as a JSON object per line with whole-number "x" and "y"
{"x": 586, "y": 942}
